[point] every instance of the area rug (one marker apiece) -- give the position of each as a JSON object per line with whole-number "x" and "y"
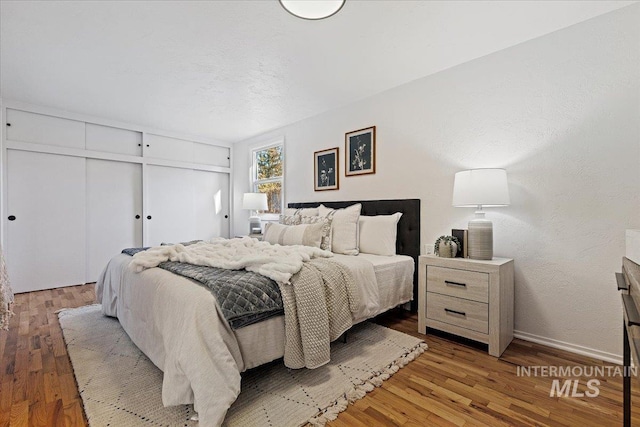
{"x": 120, "y": 386}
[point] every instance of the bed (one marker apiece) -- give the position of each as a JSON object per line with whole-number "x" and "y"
{"x": 177, "y": 324}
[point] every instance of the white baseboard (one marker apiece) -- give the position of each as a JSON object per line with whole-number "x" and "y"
{"x": 573, "y": 348}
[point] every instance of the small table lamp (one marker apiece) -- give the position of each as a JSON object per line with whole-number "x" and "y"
{"x": 480, "y": 188}
{"x": 255, "y": 202}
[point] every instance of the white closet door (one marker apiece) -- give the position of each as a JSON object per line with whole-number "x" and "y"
{"x": 46, "y": 226}
{"x": 114, "y": 199}
{"x": 113, "y": 140}
{"x": 42, "y": 129}
{"x": 211, "y": 155}
{"x": 211, "y": 204}
{"x": 169, "y": 214}
{"x": 185, "y": 205}
{"x": 163, "y": 147}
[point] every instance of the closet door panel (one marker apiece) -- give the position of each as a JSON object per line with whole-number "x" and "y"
{"x": 41, "y": 129}
{"x": 169, "y": 196}
{"x": 113, "y": 140}
{"x": 46, "y": 240}
{"x": 163, "y": 147}
{"x": 211, "y": 204}
{"x": 211, "y": 155}
{"x": 114, "y": 198}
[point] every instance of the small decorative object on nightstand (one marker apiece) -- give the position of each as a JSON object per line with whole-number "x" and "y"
{"x": 446, "y": 246}
{"x": 469, "y": 298}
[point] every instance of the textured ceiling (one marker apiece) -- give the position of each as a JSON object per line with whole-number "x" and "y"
{"x": 233, "y": 69}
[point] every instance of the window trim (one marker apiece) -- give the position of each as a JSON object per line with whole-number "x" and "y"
{"x": 254, "y": 181}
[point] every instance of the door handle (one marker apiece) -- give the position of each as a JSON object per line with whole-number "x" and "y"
{"x": 137, "y": 216}
{"x": 226, "y": 216}
{"x": 148, "y": 216}
{"x": 12, "y": 218}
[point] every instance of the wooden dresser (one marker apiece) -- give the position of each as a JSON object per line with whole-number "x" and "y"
{"x": 629, "y": 284}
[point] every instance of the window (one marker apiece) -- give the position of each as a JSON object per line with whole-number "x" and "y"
{"x": 268, "y": 173}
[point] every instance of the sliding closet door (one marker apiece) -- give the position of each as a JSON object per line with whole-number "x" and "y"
{"x": 169, "y": 213}
{"x": 185, "y": 204}
{"x": 211, "y": 204}
{"x": 114, "y": 211}
{"x": 46, "y": 220}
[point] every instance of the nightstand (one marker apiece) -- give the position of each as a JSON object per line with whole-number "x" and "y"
{"x": 255, "y": 236}
{"x": 469, "y": 298}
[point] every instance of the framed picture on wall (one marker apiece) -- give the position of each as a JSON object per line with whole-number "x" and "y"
{"x": 360, "y": 151}
{"x": 326, "y": 174}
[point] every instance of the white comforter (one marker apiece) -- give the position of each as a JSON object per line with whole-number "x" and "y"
{"x": 182, "y": 332}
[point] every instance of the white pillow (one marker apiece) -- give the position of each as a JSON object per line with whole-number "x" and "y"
{"x": 344, "y": 228}
{"x": 326, "y": 229}
{"x": 308, "y": 212}
{"x": 324, "y": 211}
{"x": 290, "y": 211}
{"x": 305, "y": 234}
{"x": 378, "y": 234}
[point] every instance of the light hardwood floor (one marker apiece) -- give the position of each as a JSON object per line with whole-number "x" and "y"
{"x": 450, "y": 384}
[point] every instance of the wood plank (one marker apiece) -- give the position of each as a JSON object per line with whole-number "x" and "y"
{"x": 52, "y": 388}
{"x": 38, "y": 416}
{"x": 74, "y": 414}
{"x": 19, "y": 416}
{"x": 55, "y": 414}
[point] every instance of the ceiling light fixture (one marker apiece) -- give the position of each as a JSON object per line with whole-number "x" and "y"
{"x": 312, "y": 9}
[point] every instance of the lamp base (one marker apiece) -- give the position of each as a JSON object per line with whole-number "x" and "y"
{"x": 255, "y": 225}
{"x": 480, "y": 237}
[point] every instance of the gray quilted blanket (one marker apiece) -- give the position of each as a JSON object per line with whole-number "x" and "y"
{"x": 244, "y": 297}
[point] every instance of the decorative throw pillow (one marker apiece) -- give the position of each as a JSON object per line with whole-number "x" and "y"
{"x": 378, "y": 234}
{"x": 304, "y": 234}
{"x": 290, "y": 211}
{"x": 326, "y": 228}
{"x": 344, "y": 228}
{"x": 290, "y": 219}
{"x": 308, "y": 212}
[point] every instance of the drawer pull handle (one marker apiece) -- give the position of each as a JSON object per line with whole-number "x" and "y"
{"x": 461, "y": 313}
{"x": 448, "y": 282}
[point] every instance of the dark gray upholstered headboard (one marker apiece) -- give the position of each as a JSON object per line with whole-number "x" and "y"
{"x": 408, "y": 241}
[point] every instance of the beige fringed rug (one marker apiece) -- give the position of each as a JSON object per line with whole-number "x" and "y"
{"x": 121, "y": 387}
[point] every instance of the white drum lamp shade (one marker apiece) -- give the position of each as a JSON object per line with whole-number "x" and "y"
{"x": 255, "y": 202}
{"x": 481, "y": 188}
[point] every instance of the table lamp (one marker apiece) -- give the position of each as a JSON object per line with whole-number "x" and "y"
{"x": 480, "y": 188}
{"x": 255, "y": 202}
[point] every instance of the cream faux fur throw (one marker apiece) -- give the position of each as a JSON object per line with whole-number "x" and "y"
{"x": 273, "y": 261}
{"x": 6, "y": 295}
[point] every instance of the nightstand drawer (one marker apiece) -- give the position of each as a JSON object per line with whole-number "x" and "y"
{"x": 458, "y": 312}
{"x": 470, "y": 285}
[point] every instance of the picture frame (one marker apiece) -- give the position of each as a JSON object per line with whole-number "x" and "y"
{"x": 326, "y": 169}
{"x": 360, "y": 152}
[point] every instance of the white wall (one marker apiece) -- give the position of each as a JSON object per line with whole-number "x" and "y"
{"x": 561, "y": 114}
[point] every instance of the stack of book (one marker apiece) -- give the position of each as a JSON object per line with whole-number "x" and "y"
{"x": 461, "y": 235}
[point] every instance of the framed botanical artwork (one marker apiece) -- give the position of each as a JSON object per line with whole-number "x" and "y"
{"x": 326, "y": 169}
{"x": 360, "y": 151}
